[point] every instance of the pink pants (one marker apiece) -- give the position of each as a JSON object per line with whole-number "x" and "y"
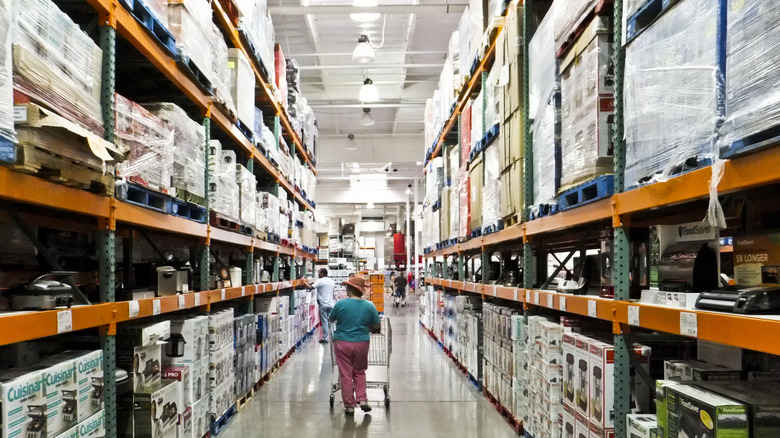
{"x": 352, "y": 358}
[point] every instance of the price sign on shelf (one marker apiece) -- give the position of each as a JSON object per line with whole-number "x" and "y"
{"x": 64, "y": 321}
{"x": 197, "y": 300}
{"x": 689, "y": 324}
{"x": 515, "y": 294}
{"x": 633, "y": 315}
{"x": 550, "y": 302}
{"x": 222, "y": 294}
{"x": 536, "y": 297}
{"x": 562, "y": 303}
{"x": 495, "y": 293}
{"x": 528, "y": 296}
{"x": 133, "y": 308}
{"x": 592, "y": 309}
{"x": 182, "y": 301}
{"x": 243, "y": 291}
{"x": 257, "y": 289}
{"x": 156, "y": 307}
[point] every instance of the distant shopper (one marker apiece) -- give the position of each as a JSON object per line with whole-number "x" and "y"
{"x": 355, "y": 318}
{"x": 400, "y": 290}
{"x": 325, "y": 289}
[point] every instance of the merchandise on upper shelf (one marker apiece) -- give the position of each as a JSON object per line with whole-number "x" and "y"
{"x": 258, "y": 26}
{"x": 247, "y": 186}
{"x": 221, "y": 73}
{"x": 6, "y": 82}
{"x": 191, "y": 25}
{"x": 280, "y": 73}
{"x": 569, "y": 19}
{"x": 56, "y": 63}
{"x": 223, "y": 186}
{"x": 242, "y": 87}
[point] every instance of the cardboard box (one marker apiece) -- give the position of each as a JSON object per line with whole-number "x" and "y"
{"x": 201, "y": 418}
{"x": 156, "y": 411}
{"x": 660, "y": 404}
{"x": 512, "y": 189}
{"x": 70, "y": 433}
{"x": 581, "y": 425}
{"x": 185, "y": 424}
{"x": 570, "y": 370}
{"x": 757, "y": 259}
{"x": 599, "y": 431}
{"x": 62, "y": 393}
{"x": 222, "y": 397}
{"x": 221, "y": 364}
{"x": 221, "y": 329}
{"x": 511, "y": 147}
{"x": 195, "y": 331}
{"x": 23, "y": 394}
{"x": 582, "y": 375}
{"x": 139, "y": 334}
{"x": 762, "y": 400}
{"x": 569, "y": 421}
{"x": 144, "y": 364}
{"x": 94, "y": 426}
{"x": 183, "y": 375}
{"x": 694, "y": 411}
{"x": 475, "y": 198}
{"x": 602, "y": 394}
{"x": 242, "y": 86}
{"x": 642, "y": 425}
{"x": 696, "y": 371}
{"x": 89, "y": 372}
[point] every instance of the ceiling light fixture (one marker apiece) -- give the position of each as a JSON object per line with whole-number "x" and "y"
{"x": 365, "y": 17}
{"x": 367, "y": 119}
{"x": 370, "y": 205}
{"x": 363, "y": 53}
{"x": 368, "y": 92}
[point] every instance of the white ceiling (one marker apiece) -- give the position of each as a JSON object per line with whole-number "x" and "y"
{"x": 406, "y": 72}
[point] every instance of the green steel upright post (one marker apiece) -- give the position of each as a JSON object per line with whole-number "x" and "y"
{"x": 106, "y": 234}
{"x": 528, "y": 150}
{"x": 461, "y": 267}
{"x": 275, "y": 276}
{"x": 444, "y": 270}
{"x": 203, "y": 250}
{"x": 486, "y": 267}
{"x": 250, "y": 267}
{"x": 622, "y": 403}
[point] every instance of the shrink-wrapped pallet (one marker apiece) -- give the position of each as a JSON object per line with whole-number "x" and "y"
{"x": 220, "y": 71}
{"x": 242, "y": 86}
{"x": 569, "y": 17}
{"x": 491, "y": 190}
{"x": 190, "y": 24}
{"x": 223, "y": 189}
{"x": 150, "y": 141}
{"x": 247, "y": 186}
{"x": 189, "y": 139}
{"x": 56, "y": 63}
{"x": 672, "y": 92}
{"x": 6, "y": 83}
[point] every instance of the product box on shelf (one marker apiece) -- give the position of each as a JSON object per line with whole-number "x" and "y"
{"x": 183, "y": 375}
{"x": 222, "y": 397}
{"x": 642, "y": 426}
{"x": 194, "y": 333}
{"x": 201, "y": 418}
{"x": 156, "y": 410}
{"x": 582, "y": 375}
{"x": 73, "y": 432}
{"x": 242, "y": 86}
{"x": 189, "y": 21}
{"x": 220, "y": 329}
{"x": 221, "y": 365}
{"x": 185, "y": 423}
{"x": 581, "y": 425}
{"x": 599, "y": 431}
{"x": 475, "y": 189}
{"x": 23, "y": 400}
{"x": 587, "y": 106}
{"x": 696, "y": 371}
{"x": 89, "y": 378}
{"x": 94, "y": 426}
{"x": 61, "y": 390}
{"x": 144, "y": 364}
{"x": 140, "y": 333}
{"x": 660, "y": 404}
{"x": 762, "y": 400}
{"x": 694, "y": 411}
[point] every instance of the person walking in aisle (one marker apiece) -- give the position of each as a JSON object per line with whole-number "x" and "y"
{"x": 400, "y": 290}
{"x": 325, "y": 299}
{"x": 355, "y": 318}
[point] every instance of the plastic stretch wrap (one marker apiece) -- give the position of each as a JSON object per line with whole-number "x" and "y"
{"x": 586, "y": 141}
{"x": 454, "y": 212}
{"x": 631, "y": 6}
{"x": 543, "y": 108}
{"x": 752, "y": 57}
{"x": 567, "y": 17}
{"x": 491, "y": 190}
{"x": 55, "y": 62}
{"x": 270, "y": 206}
{"x": 223, "y": 188}
{"x": 247, "y": 186}
{"x": 434, "y": 180}
{"x": 447, "y": 87}
{"x": 672, "y": 92}
{"x": 6, "y": 70}
{"x": 242, "y": 86}
{"x": 454, "y": 55}
{"x": 220, "y": 77}
{"x": 465, "y": 56}
{"x": 189, "y": 139}
{"x": 476, "y": 27}
{"x": 150, "y": 142}
{"x": 477, "y": 120}
{"x": 428, "y": 122}
{"x": 492, "y": 98}
{"x": 190, "y": 24}
{"x": 268, "y": 140}
{"x": 463, "y": 202}
{"x": 259, "y": 28}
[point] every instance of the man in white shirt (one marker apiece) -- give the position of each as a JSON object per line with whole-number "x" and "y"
{"x": 325, "y": 289}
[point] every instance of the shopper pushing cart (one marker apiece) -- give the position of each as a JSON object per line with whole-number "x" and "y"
{"x": 361, "y": 339}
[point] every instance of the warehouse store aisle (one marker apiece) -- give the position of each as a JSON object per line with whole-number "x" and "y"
{"x": 429, "y": 397}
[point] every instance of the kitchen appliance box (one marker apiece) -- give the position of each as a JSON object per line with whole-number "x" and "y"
{"x": 581, "y": 425}
{"x": 138, "y": 334}
{"x": 762, "y": 400}
{"x": 757, "y": 259}
{"x": 220, "y": 329}
{"x": 199, "y": 378}
{"x": 694, "y": 411}
{"x": 221, "y": 365}
{"x": 73, "y": 432}
{"x": 21, "y": 392}
{"x": 185, "y": 425}
{"x": 62, "y": 389}
{"x": 94, "y": 426}
{"x": 201, "y": 418}
{"x": 143, "y": 364}
{"x": 602, "y": 394}
{"x": 660, "y": 404}
{"x": 222, "y": 397}
{"x": 642, "y": 426}
{"x": 183, "y": 375}
{"x": 152, "y": 413}
{"x": 697, "y": 371}
{"x": 195, "y": 331}
{"x": 582, "y": 375}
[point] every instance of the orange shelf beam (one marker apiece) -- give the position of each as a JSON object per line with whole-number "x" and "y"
{"x": 136, "y": 215}
{"x": 30, "y": 189}
{"x": 25, "y": 326}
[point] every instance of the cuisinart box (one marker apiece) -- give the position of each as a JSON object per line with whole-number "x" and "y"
{"x": 183, "y": 375}
{"x": 23, "y": 404}
{"x": 156, "y": 412}
{"x": 61, "y": 390}
{"x": 94, "y": 426}
{"x": 695, "y": 412}
{"x": 762, "y": 400}
{"x": 757, "y": 259}
{"x": 73, "y": 432}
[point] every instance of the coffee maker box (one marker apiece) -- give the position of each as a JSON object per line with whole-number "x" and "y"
{"x": 599, "y": 431}
{"x": 73, "y": 432}
{"x": 570, "y": 371}
{"x": 582, "y": 375}
{"x": 222, "y": 397}
{"x": 144, "y": 365}
{"x": 94, "y": 426}
{"x": 193, "y": 331}
{"x": 693, "y": 411}
{"x": 182, "y": 374}
{"x": 62, "y": 391}
{"x": 602, "y": 394}
{"x": 221, "y": 365}
{"x": 569, "y": 422}
{"x": 757, "y": 259}
{"x": 642, "y": 425}
{"x": 23, "y": 403}
{"x": 185, "y": 425}
{"x": 581, "y": 425}
{"x": 201, "y": 418}
{"x": 156, "y": 411}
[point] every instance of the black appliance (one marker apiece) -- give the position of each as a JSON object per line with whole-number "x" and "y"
{"x": 688, "y": 267}
{"x": 757, "y": 299}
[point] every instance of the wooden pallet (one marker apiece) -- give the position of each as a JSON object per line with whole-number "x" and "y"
{"x": 219, "y": 221}
{"x": 243, "y": 401}
{"x": 190, "y": 197}
{"x": 47, "y": 156}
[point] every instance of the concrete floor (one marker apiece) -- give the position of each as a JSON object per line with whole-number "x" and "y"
{"x": 429, "y": 396}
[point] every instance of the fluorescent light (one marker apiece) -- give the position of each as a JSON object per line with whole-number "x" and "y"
{"x": 367, "y": 119}
{"x": 368, "y": 92}
{"x": 363, "y": 53}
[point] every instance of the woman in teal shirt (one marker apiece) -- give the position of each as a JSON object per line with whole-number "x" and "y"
{"x": 355, "y": 318}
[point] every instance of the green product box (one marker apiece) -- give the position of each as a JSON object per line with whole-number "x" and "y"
{"x": 660, "y": 404}
{"x": 762, "y": 400}
{"x": 696, "y": 412}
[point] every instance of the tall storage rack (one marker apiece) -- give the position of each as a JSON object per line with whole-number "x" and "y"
{"x": 759, "y": 169}
{"x": 82, "y": 209}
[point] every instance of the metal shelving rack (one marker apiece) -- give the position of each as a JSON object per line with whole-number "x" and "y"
{"x": 108, "y": 212}
{"x": 741, "y": 173}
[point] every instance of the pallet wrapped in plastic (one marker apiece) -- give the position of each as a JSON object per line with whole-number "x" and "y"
{"x": 150, "y": 141}
{"x": 220, "y": 71}
{"x": 455, "y": 211}
{"x": 465, "y": 54}
{"x": 493, "y": 93}
{"x": 672, "y": 96}
{"x": 190, "y": 24}
{"x": 491, "y": 189}
{"x": 476, "y": 26}
{"x": 6, "y": 83}
{"x": 568, "y": 17}
{"x": 258, "y": 26}
{"x": 752, "y": 56}
{"x": 223, "y": 190}
{"x": 56, "y": 63}
{"x": 434, "y": 180}
{"x": 631, "y": 6}
{"x": 477, "y": 119}
{"x": 247, "y": 186}
{"x": 242, "y": 86}
{"x": 189, "y": 138}
{"x": 543, "y": 109}
{"x": 587, "y": 106}
{"x": 270, "y": 205}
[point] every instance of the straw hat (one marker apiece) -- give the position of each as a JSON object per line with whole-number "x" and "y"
{"x": 357, "y": 283}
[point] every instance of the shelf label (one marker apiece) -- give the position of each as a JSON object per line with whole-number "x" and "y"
{"x": 222, "y": 294}
{"x": 562, "y": 303}
{"x": 182, "y": 302}
{"x": 185, "y": 288}
{"x": 592, "y": 309}
{"x": 528, "y": 296}
{"x": 495, "y": 293}
{"x": 257, "y": 289}
{"x": 689, "y": 325}
{"x": 515, "y": 294}
{"x": 536, "y": 297}
{"x": 243, "y": 291}
{"x": 156, "y": 307}
{"x": 550, "y": 302}
{"x": 133, "y": 309}
{"x": 633, "y": 315}
{"x": 197, "y": 300}
{"x": 64, "y": 321}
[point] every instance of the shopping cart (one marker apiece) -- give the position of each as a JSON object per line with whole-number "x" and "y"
{"x": 379, "y": 350}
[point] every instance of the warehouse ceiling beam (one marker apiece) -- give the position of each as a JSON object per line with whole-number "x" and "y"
{"x": 410, "y": 52}
{"x": 381, "y": 9}
{"x": 368, "y": 67}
